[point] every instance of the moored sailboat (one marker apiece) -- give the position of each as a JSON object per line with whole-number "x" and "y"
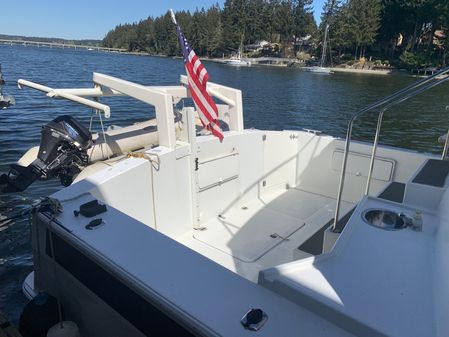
{"x": 321, "y": 69}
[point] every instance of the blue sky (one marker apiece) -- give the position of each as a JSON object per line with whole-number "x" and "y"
{"x": 88, "y": 19}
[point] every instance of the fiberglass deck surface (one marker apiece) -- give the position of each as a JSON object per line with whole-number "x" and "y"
{"x": 250, "y": 230}
{"x": 132, "y": 250}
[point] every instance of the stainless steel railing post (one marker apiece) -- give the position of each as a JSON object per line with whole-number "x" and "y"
{"x": 446, "y": 146}
{"x": 343, "y": 172}
{"x": 373, "y": 154}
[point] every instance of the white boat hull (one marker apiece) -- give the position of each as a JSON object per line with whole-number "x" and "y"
{"x": 318, "y": 70}
{"x": 238, "y": 63}
{"x": 198, "y": 234}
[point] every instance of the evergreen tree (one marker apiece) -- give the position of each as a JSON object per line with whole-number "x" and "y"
{"x": 235, "y": 20}
{"x": 364, "y": 18}
{"x": 330, "y": 12}
{"x": 214, "y": 32}
{"x": 304, "y": 22}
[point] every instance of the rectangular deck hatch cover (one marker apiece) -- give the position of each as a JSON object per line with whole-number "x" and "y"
{"x": 358, "y": 164}
{"x": 248, "y": 235}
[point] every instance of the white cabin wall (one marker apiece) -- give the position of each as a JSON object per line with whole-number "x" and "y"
{"x": 216, "y": 200}
{"x": 118, "y": 187}
{"x": 138, "y": 188}
{"x": 267, "y": 162}
{"x": 172, "y": 191}
{"x": 279, "y": 150}
{"x": 318, "y": 166}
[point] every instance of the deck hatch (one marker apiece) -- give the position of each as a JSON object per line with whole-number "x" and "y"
{"x": 358, "y": 165}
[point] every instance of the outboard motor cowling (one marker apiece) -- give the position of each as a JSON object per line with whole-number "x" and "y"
{"x": 62, "y": 154}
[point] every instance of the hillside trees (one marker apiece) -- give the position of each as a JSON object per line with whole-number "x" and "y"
{"x": 215, "y": 31}
{"x": 385, "y": 28}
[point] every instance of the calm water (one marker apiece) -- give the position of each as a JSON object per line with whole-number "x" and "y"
{"x": 273, "y": 99}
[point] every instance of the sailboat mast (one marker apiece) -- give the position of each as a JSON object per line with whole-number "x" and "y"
{"x": 239, "y": 56}
{"x": 323, "y": 55}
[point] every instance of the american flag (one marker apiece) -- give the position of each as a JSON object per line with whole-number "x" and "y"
{"x": 197, "y": 77}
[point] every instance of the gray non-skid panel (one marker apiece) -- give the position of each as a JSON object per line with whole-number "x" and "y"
{"x": 314, "y": 244}
{"x": 394, "y": 192}
{"x": 434, "y": 173}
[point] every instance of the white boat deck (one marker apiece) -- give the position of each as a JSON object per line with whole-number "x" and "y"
{"x": 170, "y": 273}
{"x": 263, "y": 232}
{"x": 258, "y": 198}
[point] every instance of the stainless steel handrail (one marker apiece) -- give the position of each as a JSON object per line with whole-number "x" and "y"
{"x": 446, "y": 146}
{"x": 446, "y": 142}
{"x": 388, "y": 102}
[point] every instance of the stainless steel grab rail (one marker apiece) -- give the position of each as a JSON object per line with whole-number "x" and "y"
{"x": 446, "y": 146}
{"x": 388, "y": 102}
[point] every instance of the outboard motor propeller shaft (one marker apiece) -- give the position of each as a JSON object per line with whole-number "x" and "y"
{"x": 62, "y": 154}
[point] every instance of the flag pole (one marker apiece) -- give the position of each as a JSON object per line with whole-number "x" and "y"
{"x": 173, "y": 19}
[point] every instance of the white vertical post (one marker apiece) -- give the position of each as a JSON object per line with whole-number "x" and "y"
{"x": 189, "y": 125}
{"x": 235, "y": 111}
{"x": 165, "y": 121}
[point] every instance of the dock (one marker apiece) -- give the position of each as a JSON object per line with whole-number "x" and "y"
{"x": 39, "y": 44}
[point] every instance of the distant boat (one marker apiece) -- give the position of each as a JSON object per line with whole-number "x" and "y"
{"x": 238, "y": 61}
{"x": 90, "y": 49}
{"x": 321, "y": 69}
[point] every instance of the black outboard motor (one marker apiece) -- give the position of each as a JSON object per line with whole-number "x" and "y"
{"x": 62, "y": 154}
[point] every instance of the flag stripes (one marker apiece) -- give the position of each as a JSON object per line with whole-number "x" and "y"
{"x": 197, "y": 77}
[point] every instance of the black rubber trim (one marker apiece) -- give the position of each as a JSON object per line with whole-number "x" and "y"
{"x": 130, "y": 305}
{"x": 433, "y": 173}
{"x": 394, "y": 192}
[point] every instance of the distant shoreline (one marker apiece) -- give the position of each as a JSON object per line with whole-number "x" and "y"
{"x": 287, "y": 62}
{"x": 272, "y": 62}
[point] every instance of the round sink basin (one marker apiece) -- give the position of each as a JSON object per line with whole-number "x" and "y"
{"x": 384, "y": 219}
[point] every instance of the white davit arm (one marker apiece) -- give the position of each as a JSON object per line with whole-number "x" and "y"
{"x": 54, "y": 93}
